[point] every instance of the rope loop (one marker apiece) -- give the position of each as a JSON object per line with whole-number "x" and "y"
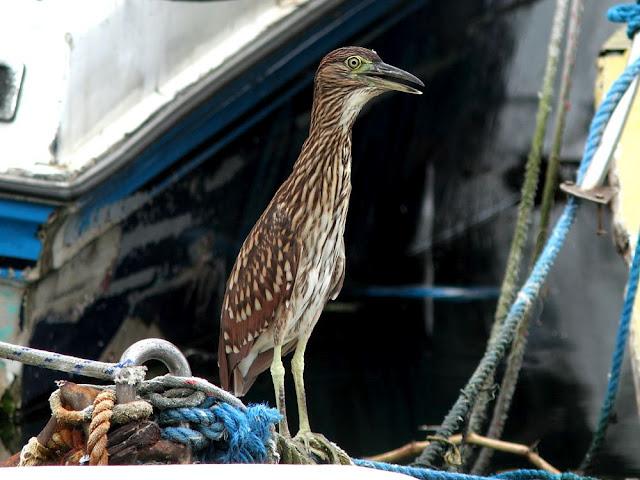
{"x": 187, "y": 436}
{"x": 66, "y": 416}
{"x": 176, "y": 398}
{"x": 629, "y": 14}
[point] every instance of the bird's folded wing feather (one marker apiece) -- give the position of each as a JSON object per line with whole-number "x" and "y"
{"x": 337, "y": 280}
{"x": 259, "y": 287}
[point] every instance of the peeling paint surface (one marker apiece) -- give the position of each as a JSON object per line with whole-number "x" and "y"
{"x": 75, "y": 49}
{"x": 63, "y": 295}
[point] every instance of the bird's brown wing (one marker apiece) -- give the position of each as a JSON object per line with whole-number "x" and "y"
{"x": 258, "y": 289}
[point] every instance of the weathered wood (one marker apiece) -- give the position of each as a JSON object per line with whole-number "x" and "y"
{"x": 127, "y": 443}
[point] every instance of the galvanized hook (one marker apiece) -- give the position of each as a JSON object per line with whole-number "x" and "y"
{"x": 160, "y": 350}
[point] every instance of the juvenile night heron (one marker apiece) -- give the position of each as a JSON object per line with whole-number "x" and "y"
{"x": 293, "y": 260}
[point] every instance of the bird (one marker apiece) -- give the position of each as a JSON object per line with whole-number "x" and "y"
{"x": 293, "y": 260}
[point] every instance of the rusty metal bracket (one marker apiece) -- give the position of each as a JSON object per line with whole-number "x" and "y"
{"x": 601, "y": 194}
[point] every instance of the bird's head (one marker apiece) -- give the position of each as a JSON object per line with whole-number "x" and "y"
{"x": 354, "y": 69}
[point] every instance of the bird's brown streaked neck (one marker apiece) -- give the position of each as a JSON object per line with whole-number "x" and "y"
{"x": 333, "y": 114}
{"x": 334, "y": 111}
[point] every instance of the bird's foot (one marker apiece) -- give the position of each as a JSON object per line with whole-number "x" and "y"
{"x": 322, "y": 450}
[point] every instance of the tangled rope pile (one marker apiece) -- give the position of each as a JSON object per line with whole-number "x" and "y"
{"x": 180, "y": 409}
{"x": 213, "y": 431}
{"x": 223, "y": 433}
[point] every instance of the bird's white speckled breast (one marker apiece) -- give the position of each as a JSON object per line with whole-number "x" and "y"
{"x": 321, "y": 237}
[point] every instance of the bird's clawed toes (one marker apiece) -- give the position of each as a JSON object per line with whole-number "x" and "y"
{"x": 321, "y": 449}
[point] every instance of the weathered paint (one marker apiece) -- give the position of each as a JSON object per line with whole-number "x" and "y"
{"x": 19, "y": 223}
{"x": 10, "y": 303}
{"x": 88, "y": 87}
{"x": 625, "y": 175}
{"x": 11, "y": 293}
{"x": 63, "y": 294}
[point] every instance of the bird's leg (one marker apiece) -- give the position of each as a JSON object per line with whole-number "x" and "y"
{"x": 277, "y": 375}
{"x": 315, "y": 444}
{"x": 297, "y": 368}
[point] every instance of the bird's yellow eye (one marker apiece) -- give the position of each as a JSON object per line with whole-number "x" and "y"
{"x": 353, "y": 62}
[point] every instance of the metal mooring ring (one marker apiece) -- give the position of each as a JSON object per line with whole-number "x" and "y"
{"x": 160, "y": 350}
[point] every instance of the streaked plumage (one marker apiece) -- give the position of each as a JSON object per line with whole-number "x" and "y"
{"x": 292, "y": 261}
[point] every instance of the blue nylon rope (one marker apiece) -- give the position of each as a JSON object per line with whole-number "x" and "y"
{"x": 431, "y": 474}
{"x": 616, "y": 361}
{"x": 629, "y": 14}
{"x": 221, "y": 432}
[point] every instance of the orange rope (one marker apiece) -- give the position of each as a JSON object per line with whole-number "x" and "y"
{"x": 100, "y": 424}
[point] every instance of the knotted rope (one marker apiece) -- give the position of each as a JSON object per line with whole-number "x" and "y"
{"x": 122, "y": 413}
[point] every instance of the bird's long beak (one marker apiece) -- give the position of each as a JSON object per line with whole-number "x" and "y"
{"x": 389, "y": 77}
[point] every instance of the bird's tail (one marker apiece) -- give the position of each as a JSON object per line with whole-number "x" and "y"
{"x": 241, "y": 385}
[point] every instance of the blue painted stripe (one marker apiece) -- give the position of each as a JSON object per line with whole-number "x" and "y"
{"x": 233, "y": 101}
{"x": 24, "y": 211}
{"x": 19, "y": 222}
